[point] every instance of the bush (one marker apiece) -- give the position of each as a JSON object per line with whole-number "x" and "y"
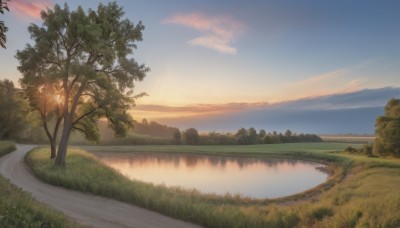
{"x": 6, "y": 147}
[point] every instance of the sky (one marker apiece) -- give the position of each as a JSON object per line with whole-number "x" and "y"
{"x": 216, "y": 56}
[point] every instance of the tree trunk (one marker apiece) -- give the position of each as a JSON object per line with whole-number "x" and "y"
{"x": 53, "y": 149}
{"x": 63, "y": 146}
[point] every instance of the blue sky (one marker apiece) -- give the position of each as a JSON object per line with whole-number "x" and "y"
{"x": 248, "y": 52}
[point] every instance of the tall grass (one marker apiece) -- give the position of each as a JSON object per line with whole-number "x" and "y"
{"x": 368, "y": 196}
{"x": 19, "y": 209}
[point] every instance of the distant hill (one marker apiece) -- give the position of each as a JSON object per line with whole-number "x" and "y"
{"x": 353, "y": 112}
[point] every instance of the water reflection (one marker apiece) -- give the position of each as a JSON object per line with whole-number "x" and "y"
{"x": 254, "y": 177}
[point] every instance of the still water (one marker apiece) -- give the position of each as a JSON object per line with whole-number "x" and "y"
{"x": 253, "y": 177}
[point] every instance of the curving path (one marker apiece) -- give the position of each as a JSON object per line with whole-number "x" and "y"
{"x": 88, "y": 210}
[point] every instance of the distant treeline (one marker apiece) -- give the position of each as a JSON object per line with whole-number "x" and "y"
{"x": 244, "y": 137}
{"x": 153, "y": 133}
{"x": 153, "y": 129}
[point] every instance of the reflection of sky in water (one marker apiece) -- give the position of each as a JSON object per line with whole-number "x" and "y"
{"x": 254, "y": 177}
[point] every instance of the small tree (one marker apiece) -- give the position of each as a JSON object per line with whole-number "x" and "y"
{"x": 242, "y": 136}
{"x": 177, "y": 136}
{"x": 387, "y": 140}
{"x": 253, "y": 137}
{"x": 191, "y": 136}
{"x": 90, "y": 56}
{"x": 262, "y": 133}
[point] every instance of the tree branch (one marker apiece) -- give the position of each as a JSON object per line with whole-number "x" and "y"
{"x": 83, "y": 116}
{"x": 73, "y": 83}
{"x": 79, "y": 129}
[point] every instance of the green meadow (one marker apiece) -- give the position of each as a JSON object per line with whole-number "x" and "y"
{"x": 353, "y": 197}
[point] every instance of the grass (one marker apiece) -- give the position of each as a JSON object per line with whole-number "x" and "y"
{"x": 19, "y": 209}
{"x": 348, "y": 139}
{"x": 6, "y": 147}
{"x": 228, "y": 149}
{"x": 368, "y": 196}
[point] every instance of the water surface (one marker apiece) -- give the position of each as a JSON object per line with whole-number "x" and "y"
{"x": 253, "y": 177}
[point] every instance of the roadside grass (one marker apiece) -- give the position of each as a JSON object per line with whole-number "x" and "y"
{"x": 364, "y": 193}
{"x": 19, "y": 209}
{"x": 6, "y": 147}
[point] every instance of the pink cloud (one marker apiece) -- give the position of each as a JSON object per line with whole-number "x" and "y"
{"x": 214, "y": 42}
{"x": 218, "y": 32}
{"x": 28, "y": 9}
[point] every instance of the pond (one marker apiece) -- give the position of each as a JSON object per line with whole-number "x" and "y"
{"x": 252, "y": 177}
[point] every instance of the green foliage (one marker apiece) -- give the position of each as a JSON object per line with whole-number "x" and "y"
{"x": 3, "y": 27}
{"x": 19, "y": 209}
{"x": 214, "y": 138}
{"x": 387, "y": 140}
{"x": 86, "y": 56}
{"x": 13, "y": 111}
{"x": 6, "y": 147}
{"x": 191, "y": 136}
{"x": 154, "y": 129}
{"x": 365, "y": 150}
{"x": 177, "y": 137}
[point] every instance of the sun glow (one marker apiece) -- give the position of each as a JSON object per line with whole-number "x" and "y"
{"x": 58, "y": 99}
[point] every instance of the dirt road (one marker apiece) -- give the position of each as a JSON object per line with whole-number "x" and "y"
{"x": 86, "y": 209}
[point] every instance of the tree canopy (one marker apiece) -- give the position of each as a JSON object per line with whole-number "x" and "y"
{"x": 387, "y": 140}
{"x": 3, "y": 27}
{"x": 87, "y": 57}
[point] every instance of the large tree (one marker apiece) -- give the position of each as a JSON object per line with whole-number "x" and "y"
{"x": 89, "y": 54}
{"x": 387, "y": 140}
{"x": 3, "y": 27}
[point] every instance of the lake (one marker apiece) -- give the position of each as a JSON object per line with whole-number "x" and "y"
{"x": 252, "y": 177}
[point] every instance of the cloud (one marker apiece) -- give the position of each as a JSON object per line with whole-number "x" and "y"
{"x": 28, "y": 9}
{"x": 201, "y": 108}
{"x": 338, "y": 81}
{"x": 218, "y": 33}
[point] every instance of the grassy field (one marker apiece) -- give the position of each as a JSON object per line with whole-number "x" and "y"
{"x": 363, "y": 193}
{"x": 18, "y": 209}
{"x": 348, "y": 139}
{"x": 228, "y": 149}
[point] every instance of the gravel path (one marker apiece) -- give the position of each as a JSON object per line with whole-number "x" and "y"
{"x": 88, "y": 210}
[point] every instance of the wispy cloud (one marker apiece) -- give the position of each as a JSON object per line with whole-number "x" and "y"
{"x": 202, "y": 108}
{"x": 29, "y": 9}
{"x": 218, "y": 33}
{"x": 339, "y": 81}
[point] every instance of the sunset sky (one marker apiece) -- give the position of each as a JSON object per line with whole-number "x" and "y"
{"x": 215, "y": 56}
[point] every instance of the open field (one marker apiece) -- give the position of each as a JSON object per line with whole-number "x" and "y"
{"x": 19, "y": 209}
{"x": 357, "y": 200}
{"x": 348, "y": 139}
{"x": 228, "y": 149}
